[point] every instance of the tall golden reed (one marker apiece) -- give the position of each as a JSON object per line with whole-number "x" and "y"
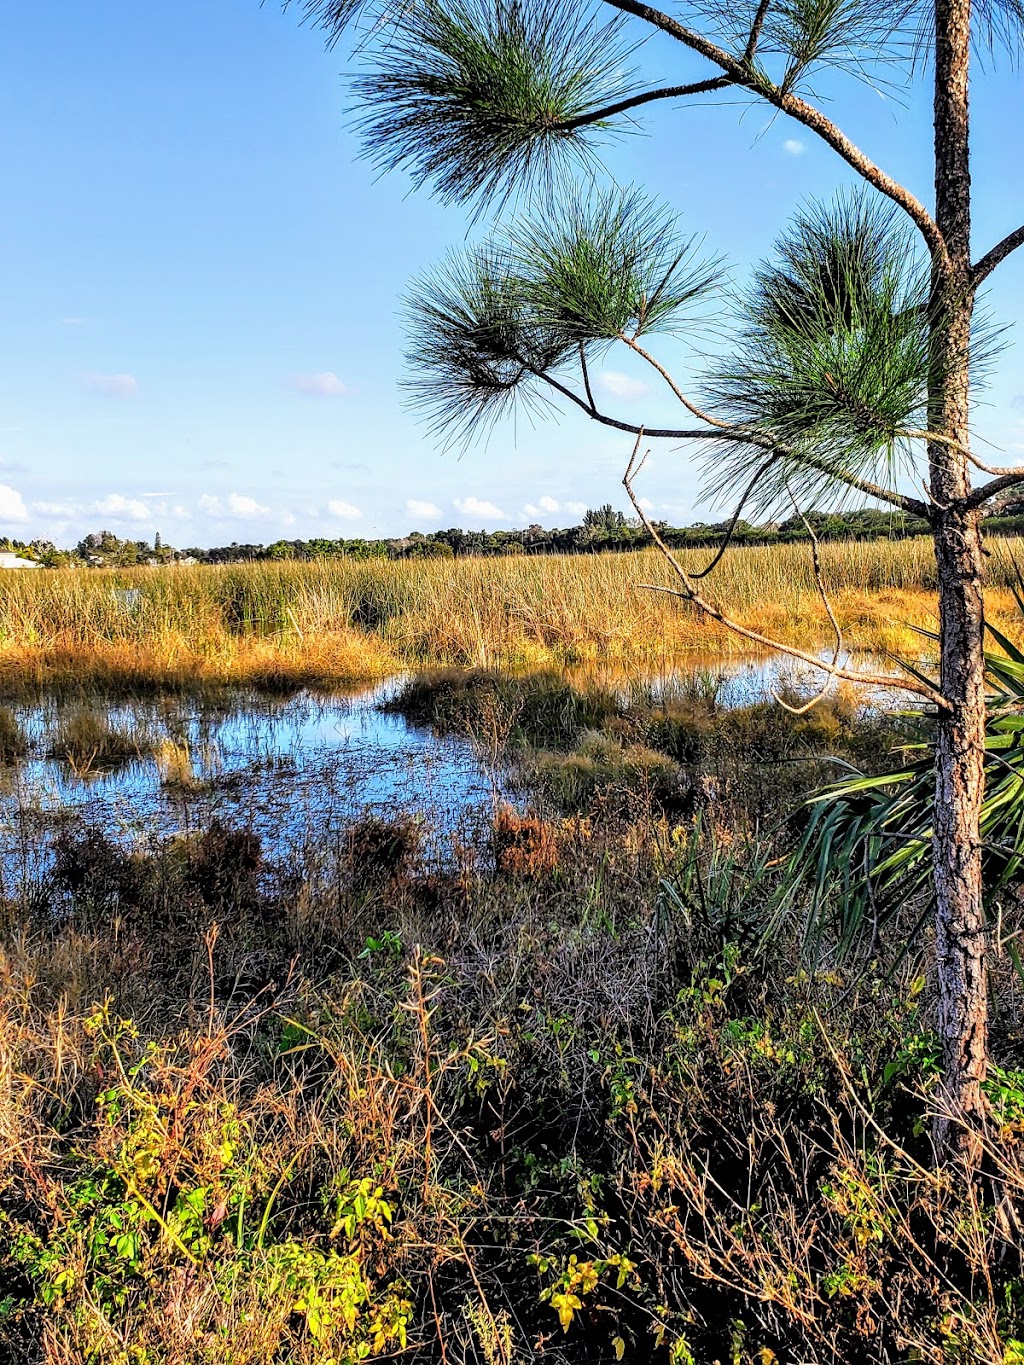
{"x": 332, "y": 621}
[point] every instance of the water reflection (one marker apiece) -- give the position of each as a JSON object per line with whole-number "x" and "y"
{"x": 296, "y": 771}
{"x": 290, "y": 770}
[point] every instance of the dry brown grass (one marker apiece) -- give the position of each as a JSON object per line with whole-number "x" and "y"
{"x": 326, "y": 623}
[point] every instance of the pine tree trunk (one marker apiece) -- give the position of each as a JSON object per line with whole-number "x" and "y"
{"x": 960, "y": 923}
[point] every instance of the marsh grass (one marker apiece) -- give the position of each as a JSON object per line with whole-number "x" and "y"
{"x": 671, "y": 746}
{"x": 325, "y": 623}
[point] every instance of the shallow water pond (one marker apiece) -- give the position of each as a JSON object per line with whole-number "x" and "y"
{"x": 294, "y": 771}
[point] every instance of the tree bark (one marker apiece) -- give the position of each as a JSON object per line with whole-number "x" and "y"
{"x": 960, "y": 943}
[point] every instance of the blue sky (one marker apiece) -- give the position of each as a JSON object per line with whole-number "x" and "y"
{"x": 201, "y": 323}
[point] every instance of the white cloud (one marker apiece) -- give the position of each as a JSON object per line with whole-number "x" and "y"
{"x": 325, "y": 385}
{"x": 576, "y": 508}
{"x": 425, "y": 511}
{"x": 54, "y": 509}
{"x": 113, "y": 385}
{"x": 622, "y": 385}
{"x": 542, "y": 506}
{"x": 646, "y": 504}
{"x": 474, "y": 507}
{"x": 237, "y": 506}
{"x": 12, "y": 505}
{"x": 793, "y": 146}
{"x": 120, "y": 508}
{"x": 344, "y": 510}
{"x": 245, "y": 508}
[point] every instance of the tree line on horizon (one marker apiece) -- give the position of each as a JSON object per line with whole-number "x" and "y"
{"x": 602, "y": 529}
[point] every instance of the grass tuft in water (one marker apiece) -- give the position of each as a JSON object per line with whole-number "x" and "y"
{"x": 86, "y": 739}
{"x": 13, "y": 740}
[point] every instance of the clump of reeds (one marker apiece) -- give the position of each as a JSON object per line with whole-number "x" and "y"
{"x": 174, "y": 763}
{"x": 86, "y": 739}
{"x": 602, "y": 766}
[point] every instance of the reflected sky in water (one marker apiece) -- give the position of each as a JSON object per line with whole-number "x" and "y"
{"x": 296, "y": 771}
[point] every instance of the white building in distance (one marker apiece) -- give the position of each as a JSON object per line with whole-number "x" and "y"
{"x": 10, "y": 560}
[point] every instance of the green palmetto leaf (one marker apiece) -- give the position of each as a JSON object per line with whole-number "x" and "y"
{"x": 474, "y": 97}
{"x": 866, "y": 851}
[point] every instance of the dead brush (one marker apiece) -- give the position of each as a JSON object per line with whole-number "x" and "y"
{"x": 383, "y": 852}
{"x": 524, "y": 845}
{"x": 829, "y": 1241}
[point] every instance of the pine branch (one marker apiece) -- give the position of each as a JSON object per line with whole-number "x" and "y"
{"x": 668, "y": 92}
{"x": 743, "y": 436}
{"x": 744, "y": 74}
{"x": 997, "y": 255}
{"x": 993, "y": 488}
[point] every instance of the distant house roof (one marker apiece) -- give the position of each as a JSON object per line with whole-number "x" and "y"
{"x": 10, "y": 560}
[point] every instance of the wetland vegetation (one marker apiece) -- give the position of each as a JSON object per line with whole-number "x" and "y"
{"x": 470, "y": 1017}
{"x": 271, "y": 625}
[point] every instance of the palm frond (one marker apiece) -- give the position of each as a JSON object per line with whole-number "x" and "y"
{"x": 473, "y": 97}
{"x": 866, "y": 851}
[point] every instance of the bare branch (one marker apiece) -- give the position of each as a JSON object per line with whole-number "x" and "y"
{"x": 668, "y": 92}
{"x": 744, "y": 74}
{"x": 760, "y": 440}
{"x": 999, "y": 505}
{"x": 731, "y": 528}
{"x": 701, "y": 416}
{"x": 755, "y": 30}
{"x": 691, "y": 593}
{"x": 936, "y": 438}
{"x": 820, "y": 585}
{"x": 996, "y": 256}
{"x": 586, "y": 378}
